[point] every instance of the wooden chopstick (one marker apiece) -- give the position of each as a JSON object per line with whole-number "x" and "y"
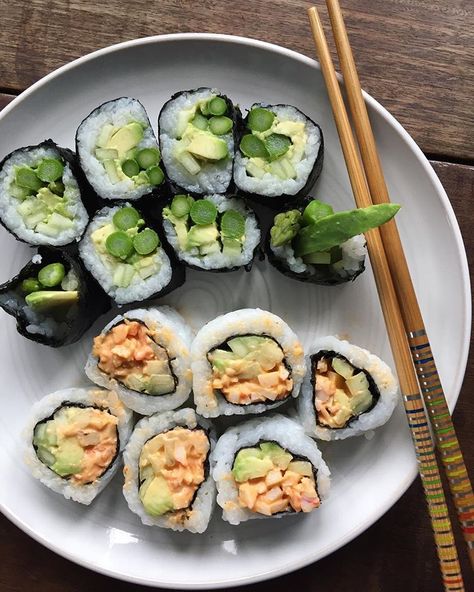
{"x": 428, "y": 378}
{"x": 417, "y": 420}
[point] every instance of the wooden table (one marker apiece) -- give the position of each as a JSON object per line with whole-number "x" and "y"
{"x": 416, "y": 57}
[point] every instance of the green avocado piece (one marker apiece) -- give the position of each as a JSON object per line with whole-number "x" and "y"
{"x": 316, "y": 210}
{"x": 160, "y": 384}
{"x": 210, "y": 248}
{"x": 180, "y": 227}
{"x": 207, "y": 146}
{"x": 241, "y": 346}
{"x": 49, "y": 198}
{"x": 231, "y": 246}
{"x": 45, "y": 299}
{"x": 333, "y": 230}
{"x": 156, "y": 497}
{"x": 202, "y": 235}
{"x": 69, "y": 456}
{"x": 285, "y": 227}
{"x": 126, "y": 138}
{"x": 247, "y": 466}
{"x": 343, "y": 368}
{"x": 276, "y": 454}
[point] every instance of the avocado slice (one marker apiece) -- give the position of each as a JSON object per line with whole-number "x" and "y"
{"x": 46, "y": 299}
{"x": 126, "y": 138}
{"x": 160, "y": 384}
{"x": 207, "y": 146}
{"x": 69, "y": 456}
{"x": 250, "y": 467}
{"x": 156, "y": 497}
{"x": 276, "y": 454}
{"x": 202, "y": 235}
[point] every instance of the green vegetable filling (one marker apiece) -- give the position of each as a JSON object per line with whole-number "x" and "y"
{"x": 52, "y": 291}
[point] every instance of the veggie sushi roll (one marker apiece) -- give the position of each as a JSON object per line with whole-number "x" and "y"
{"x": 246, "y": 361}
{"x": 126, "y": 256}
{"x": 118, "y": 150}
{"x": 53, "y": 298}
{"x": 40, "y": 195}
{"x": 74, "y": 439}
{"x": 196, "y": 129}
{"x": 217, "y": 233}
{"x": 347, "y": 391}
{"x": 167, "y": 476}
{"x": 280, "y": 154}
{"x": 143, "y": 355}
{"x": 268, "y": 468}
{"x": 321, "y": 246}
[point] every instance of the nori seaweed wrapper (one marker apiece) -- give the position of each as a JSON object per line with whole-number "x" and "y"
{"x": 88, "y": 197}
{"x": 284, "y": 200}
{"x": 233, "y": 112}
{"x": 74, "y": 322}
{"x": 322, "y": 275}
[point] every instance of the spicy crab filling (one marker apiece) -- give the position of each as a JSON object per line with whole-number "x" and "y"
{"x": 271, "y": 480}
{"x": 250, "y": 369}
{"x": 172, "y": 467}
{"x": 129, "y": 353}
{"x": 77, "y": 443}
{"x": 342, "y": 392}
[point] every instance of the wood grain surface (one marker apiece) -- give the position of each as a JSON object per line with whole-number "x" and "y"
{"x": 416, "y": 57}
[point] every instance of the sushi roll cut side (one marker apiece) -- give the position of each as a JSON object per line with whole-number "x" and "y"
{"x": 320, "y": 246}
{"x": 347, "y": 392}
{"x": 144, "y": 356}
{"x": 215, "y": 233}
{"x": 196, "y": 130}
{"x": 53, "y": 299}
{"x": 280, "y": 154}
{"x": 167, "y": 477}
{"x": 118, "y": 150}
{"x": 268, "y": 468}
{"x": 40, "y": 195}
{"x": 74, "y": 439}
{"x": 126, "y": 256}
{"x": 247, "y": 361}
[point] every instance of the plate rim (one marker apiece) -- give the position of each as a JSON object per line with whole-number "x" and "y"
{"x": 467, "y": 309}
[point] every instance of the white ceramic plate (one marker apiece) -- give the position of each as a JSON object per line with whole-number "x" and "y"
{"x": 368, "y": 476}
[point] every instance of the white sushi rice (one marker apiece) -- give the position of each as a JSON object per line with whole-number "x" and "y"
{"x": 219, "y": 260}
{"x": 213, "y": 177}
{"x": 271, "y": 185}
{"x": 119, "y": 113}
{"x": 354, "y": 251}
{"x": 203, "y": 505}
{"x": 139, "y": 289}
{"x": 9, "y": 204}
{"x": 175, "y": 337}
{"x": 247, "y": 321}
{"x": 360, "y": 358}
{"x": 286, "y": 433}
{"x": 44, "y": 408}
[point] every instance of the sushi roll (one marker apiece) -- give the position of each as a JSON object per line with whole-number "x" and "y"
{"x": 126, "y": 256}
{"x": 322, "y": 247}
{"x": 118, "y": 151}
{"x": 348, "y": 391}
{"x": 280, "y": 155}
{"x": 196, "y": 130}
{"x": 143, "y": 355}
{"x": 216, "y": 233}
{"x": 41, "y": 195}
{"x": 53, "y": 299}
{"x": 268, "y": 468}
{"x": 246, "y": 361}
{"x": 74, "y": 440}
{"x": 167, "y": 473}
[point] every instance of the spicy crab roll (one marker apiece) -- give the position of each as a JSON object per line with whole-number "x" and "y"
{"x": 216, "y": 233}
{"x": 74, "y": 439}
{"x": 246, "y": 361}
{"x": 143, "y": 355}
{"x": 347, "y": 391}
{"x": 268, "y": 468}
{"x": 320, "y": 246}
{"x": 126, "y": 256}
{"x": 41, "y": 196}
{"x": 53, "y": 299}
{"x": 279, "y": 156}
{"x": 118, "y": 151}
{"x": 167, "y": 477}
{"x": 197, "y": 130}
